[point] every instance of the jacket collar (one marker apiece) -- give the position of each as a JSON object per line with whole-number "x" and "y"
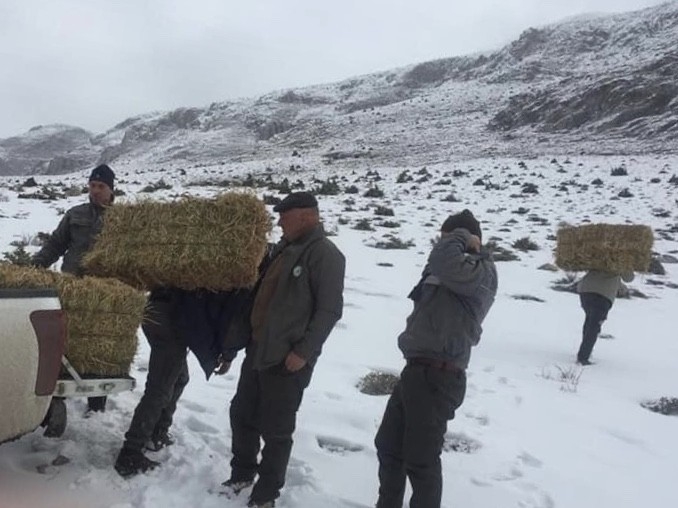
{"x": 308, "y": 237}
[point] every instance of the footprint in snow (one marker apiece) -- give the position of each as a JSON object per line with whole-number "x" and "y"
{"x": 194, "y": 407}
{"x": 337, "y": 445}
{"x": 529, "y": 460}
{"x": 197, "y": 426}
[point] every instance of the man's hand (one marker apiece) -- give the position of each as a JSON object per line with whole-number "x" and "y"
{"x": 222, "y": 367}
{"x": 294, "y": 362}
{"x": 473, "y": 244}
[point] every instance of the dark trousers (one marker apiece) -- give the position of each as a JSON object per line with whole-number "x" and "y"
{"x": 167, "y": 377}
{"x": 265, "y": 407}
{"x": 410, "y": 439}
{"x": 596, "y": 308}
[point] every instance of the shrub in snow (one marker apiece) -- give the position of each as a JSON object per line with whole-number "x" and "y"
{"x": 374, "y": 192}
{"x": 500, "y": 253}
{"x": 384, "y": 210}
{"x": 389, "y": 224}
{"x": 271, "y": 200}
{"x": 329, "y": 187}
{"x": 525, "y": 244}
{"x": 392, "y": 242}
{"x": 460, "y": 443}
{"x": 18, "y": 256}
{"x": 377, "y": 383}
{"x": 568, "y": 377}
{"x": 159, "y": 185}
{"x": 619, "y": 171}
{"x": 665, "y": 406}
{"x": 404, "y": 177}
{"x": 363, "y": 225}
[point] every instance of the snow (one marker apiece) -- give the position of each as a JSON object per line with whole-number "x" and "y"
{"x": 536, "y": 440}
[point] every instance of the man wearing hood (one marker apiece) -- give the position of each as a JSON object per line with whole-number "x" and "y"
{"x": 451, "y": 300}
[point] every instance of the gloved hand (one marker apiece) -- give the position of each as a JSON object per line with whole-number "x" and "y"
{"x": 223, "y": 366}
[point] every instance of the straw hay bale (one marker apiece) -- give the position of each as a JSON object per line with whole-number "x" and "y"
{"x": 612, "y": 248}
{"x": 102, "y": 316}
{"x": 26, "y": 277}
{"x": 192, "y": 243}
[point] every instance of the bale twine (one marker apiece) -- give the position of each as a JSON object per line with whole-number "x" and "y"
{"x": 611, "y": 248}
{"x": 192, "y": 243}
{"x": 102, "y": 316}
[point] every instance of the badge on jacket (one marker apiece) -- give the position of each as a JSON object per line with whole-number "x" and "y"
{"x": 296, "y": 271}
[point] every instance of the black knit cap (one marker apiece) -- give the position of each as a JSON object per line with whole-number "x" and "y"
{"x": 104, "y": 174}
{"x": 296, "y": 200}
{"x": 463, "y": 219}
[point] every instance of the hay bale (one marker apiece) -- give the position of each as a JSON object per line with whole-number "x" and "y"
{"x": 102, "y": 316}
{"x": 612, "y": 248}
{"x": 26, "y": 277}
{"x": 215, "y": 244}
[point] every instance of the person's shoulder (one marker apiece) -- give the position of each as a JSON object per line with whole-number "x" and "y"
{"x": 327, "y": 247}
{"x": 81, "y": 209}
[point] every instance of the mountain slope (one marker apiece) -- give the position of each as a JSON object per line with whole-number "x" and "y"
{"x": 605, "y": 84}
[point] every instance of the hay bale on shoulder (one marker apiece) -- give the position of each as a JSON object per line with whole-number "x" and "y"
{"x": 614, "y": 248}
{"x": 193, "y": 243}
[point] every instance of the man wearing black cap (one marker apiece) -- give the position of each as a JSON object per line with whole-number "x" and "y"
{"x": 298, "y": 299}
{"x": 455, "y": 293}
{"x": 72, "y": 239}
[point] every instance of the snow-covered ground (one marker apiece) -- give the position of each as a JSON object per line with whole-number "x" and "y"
{"x": 527, "y": 436}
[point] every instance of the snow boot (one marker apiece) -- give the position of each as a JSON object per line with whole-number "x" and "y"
{"x": 133, "y": 462}
{"x": 231, "y": 488}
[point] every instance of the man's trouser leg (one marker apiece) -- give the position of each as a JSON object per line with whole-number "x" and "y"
{"x": 596, "y": 308}
{"x": 389, "y": 444}
{"x": 279, "y": 399}
{"x": 245, "y": 435}
{"x": 430, "y": 397}
{"x": 165, "y": 366}
{"x": 167, "y": 414}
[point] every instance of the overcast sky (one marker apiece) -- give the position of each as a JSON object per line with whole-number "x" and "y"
{"x": 93, "y": 63}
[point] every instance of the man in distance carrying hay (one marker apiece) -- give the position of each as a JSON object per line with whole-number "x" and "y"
{"x": 298, "y": 300}
{"x": 455, "y": 293}
{"x": 72, "y": 239}
{"x": 597, "y": 293}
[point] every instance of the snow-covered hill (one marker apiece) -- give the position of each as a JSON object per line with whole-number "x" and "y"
{"x": 604, "y": 84}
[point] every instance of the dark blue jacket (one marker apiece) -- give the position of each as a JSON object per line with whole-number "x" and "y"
{"x": 203, "y": 320}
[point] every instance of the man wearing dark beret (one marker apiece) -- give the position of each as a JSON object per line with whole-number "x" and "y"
{"x": 72, "y": 239}
{"x": 451, "y": 300}
{"x": 298, "y": 299}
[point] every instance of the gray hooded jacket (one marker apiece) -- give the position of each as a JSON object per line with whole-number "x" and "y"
{"x": 451, "y": 302}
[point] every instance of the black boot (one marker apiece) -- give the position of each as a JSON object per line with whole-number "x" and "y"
{"x": 55, "y": 420}
{"x": 133, "y": 462}
{"x": 159, "y": 440}
{"x": 96, "y": 404}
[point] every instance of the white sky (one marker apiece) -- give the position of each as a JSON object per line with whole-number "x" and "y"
{"x": 93, "y": 63}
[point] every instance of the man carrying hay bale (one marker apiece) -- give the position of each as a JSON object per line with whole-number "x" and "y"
{"x": 298, "y": 300}
{"x": 608, "y": 253}
{"x": 73, "y": 237}
{"x": 597, "y": 292}
{"x": 176, "y": 320}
